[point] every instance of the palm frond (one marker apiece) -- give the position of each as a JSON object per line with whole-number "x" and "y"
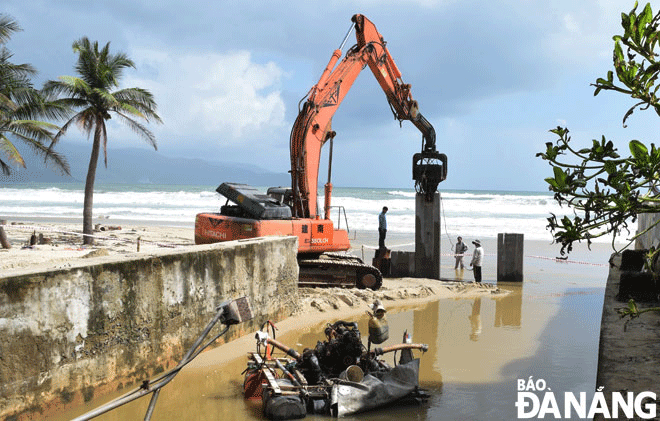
{"x": 34, "y": 105}
{"x": 13, "y": 75}
{"x": 49, "y": 155}
{"x": 7, "y": 27}
{"x": 109, "y": 100}
{"x": 6, "y": 169}
{"x": 34, "y": 129}
{"x": 65, "y": 128}
{"x": 21, "y": 108}
{"x": 9, "y": 150}
{"x": 69, "y": 86}
{"x": 86, "y": 120}
{"x": 139, "y": 129}
{"x": 139, "y": 100}
{"x": 60, "y": 161}
{"x": 6, "y": 104}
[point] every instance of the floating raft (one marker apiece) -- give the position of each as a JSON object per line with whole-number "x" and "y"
{"x": 287, "y": 393}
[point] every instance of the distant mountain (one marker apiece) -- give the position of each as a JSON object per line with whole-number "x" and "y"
{"x": 143, "y": 166}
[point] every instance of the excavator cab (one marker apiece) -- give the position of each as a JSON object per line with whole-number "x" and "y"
{"x": 283, "y": 195}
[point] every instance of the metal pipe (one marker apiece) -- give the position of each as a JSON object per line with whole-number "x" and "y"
{"x": 328, "y": 185}
{"x": 153, "y": 386}
{"x": 279, "y": 345}
{"x": 341, "y": 47}
{"x": 398, "y": 347}
{"x": 152, "y": 405}
{"x": 287, "y": 373}
{"x": 332, "y": 138}
{"x": 331, "y": 65}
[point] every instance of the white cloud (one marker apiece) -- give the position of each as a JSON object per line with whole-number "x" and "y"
{"x": 571, "y": 25}
{"x": 213, "y": 96}
{"x": 583, "y": 38}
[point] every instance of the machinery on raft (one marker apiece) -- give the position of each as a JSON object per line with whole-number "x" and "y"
{"x": 338, "y": 377}
{"x": 295, "y": 211}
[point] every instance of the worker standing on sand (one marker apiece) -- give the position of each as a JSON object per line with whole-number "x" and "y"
{"x": 477, "y": 258}
{"x": 382, "y": 230}
{"x": 459, "y": 252}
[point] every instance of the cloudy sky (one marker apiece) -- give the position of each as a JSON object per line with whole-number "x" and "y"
{"x": 491, "y": 76}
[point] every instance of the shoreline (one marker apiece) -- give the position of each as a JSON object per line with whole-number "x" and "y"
{"x": 64, "y": 242}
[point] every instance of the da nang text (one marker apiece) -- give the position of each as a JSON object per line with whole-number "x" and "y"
{"x": 536, "y": 400}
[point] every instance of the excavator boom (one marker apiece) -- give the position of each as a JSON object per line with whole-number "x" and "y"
{"x": 313, "y": 126}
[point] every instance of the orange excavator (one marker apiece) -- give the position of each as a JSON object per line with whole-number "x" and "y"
{"x": 295, "y": 211}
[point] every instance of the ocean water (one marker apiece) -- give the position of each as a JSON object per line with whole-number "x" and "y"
{"x": 472, "y": 214}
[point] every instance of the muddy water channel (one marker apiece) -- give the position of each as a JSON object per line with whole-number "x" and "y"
{"x": 478, "y": 349}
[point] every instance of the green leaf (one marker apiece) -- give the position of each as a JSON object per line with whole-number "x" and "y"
{"x": 560, "y": 176}
{"x": 618, "y": 52}
{"x": 625, "y": 24}
{"x": 645, "y": 17}
{"x": 638, "y": 150}
{"x": 610, "y": 167}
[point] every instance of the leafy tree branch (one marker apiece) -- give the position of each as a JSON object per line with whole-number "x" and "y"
{"x": 606, "y": 191}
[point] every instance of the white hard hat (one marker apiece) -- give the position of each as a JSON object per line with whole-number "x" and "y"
{"x": 378, "y": 306}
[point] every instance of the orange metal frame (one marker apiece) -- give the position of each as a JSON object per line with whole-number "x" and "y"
{"x": 313, "y": 127}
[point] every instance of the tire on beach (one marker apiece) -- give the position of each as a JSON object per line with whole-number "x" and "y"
{"x": 369, "y": 277}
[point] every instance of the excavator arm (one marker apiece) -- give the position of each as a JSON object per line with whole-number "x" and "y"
{"x": 313, "y": 126}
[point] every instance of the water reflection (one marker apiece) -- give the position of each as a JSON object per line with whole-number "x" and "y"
{"x": 508, "y": 310}
{"x": 475, "y": 319}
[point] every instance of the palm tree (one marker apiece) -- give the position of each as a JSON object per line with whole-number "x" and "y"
{"x": 91, "y": 97}
{"x": 20, "y": 106}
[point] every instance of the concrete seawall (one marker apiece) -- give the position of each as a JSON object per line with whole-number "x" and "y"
{"x": 111, "y": 322}
{"x": 629, "y": 352}
{"x": 652, "y": 237}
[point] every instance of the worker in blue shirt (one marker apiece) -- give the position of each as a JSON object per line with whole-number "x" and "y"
{"x": 382, "y": 230}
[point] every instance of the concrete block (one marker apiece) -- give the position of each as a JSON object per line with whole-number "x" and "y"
{"x": 427, "y": 236}
{"x": 402, "y": 264}
{"x": 510, "y": 249}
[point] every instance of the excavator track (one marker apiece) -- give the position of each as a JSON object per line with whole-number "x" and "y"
{"x": 338, "y": 270}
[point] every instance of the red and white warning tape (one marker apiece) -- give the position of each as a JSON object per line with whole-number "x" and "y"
{"x": 554, "y": 259}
